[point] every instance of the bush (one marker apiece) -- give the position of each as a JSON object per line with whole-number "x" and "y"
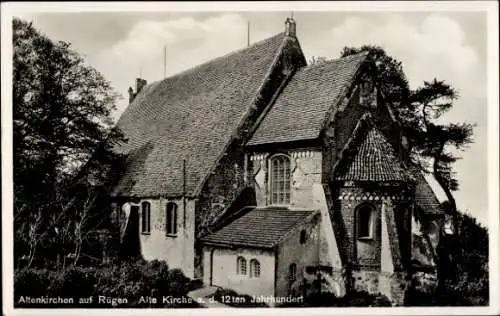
{"x": 463, "y": 273}
{"x": 128, "y": 281}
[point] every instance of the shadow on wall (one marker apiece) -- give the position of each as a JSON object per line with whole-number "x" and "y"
{"x": 131, "y": 244}
{"x": 244, "y": 202}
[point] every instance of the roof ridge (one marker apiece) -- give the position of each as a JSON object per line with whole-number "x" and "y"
{"x": 226, "y": 55}
{"x": 364, "y": 119}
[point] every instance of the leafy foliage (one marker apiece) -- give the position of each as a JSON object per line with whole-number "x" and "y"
{"x": 464, "y": 280}
{"x": 317, "y": 60}
{"x": 63, "y": 136}
{"x": 129, "y": 280}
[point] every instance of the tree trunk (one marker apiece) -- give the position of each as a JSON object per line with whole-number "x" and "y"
{"x": 446, "y": 189}
{"x": 32, "y": 254}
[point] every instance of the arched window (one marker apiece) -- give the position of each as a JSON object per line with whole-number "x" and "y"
{"x": 302, "y": 237}
{"x": 280, "y": 180}
{"x": 171, "y": 219}
{"x": 254, "y": 268}
{"x": 365, "y": 221}
{"x": 292, "y": 272}
{"x": 146, "y": 218}
{"x": 241, "y": 266}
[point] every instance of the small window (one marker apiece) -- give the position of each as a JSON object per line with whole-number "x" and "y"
{"x": 365, "y": 222}
{"x": 171, "y": 219}
{"x": 303, "y": 237}
{"x": 292, "y": 272}
{"x": 241, "y": 266}
{"x": 254, "y": 269}
{"x": 146, "y": 218}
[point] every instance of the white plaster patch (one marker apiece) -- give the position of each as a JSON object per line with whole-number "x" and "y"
{"x": 260, "y": 178}
{"x": 297, "y": 178}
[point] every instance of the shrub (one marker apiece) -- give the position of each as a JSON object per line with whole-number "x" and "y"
{"x": 128, "y": 280}
{"x": 30, "y": 282}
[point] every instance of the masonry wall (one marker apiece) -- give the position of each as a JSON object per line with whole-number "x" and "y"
{"x": 339, "y": 128}
{"x": 306, "y": 167}
{"x": 359, "y": 252}
{"x": 366, "y": 253}
{"x": 177, "y": 250}
{"x": 304, "y": 255}
{"x": 224, "y": 270}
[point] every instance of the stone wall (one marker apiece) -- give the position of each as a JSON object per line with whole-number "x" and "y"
{"x": 304, "y": 255}
{"x": 366, "y": 280}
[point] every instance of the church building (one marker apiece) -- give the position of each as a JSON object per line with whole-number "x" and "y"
{"x": 262, "y": 174}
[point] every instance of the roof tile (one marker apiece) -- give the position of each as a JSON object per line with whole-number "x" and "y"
{"x": 261, "y": 228}
{"x": 189, "y": 116}
{"x": 373, "y": 160}
{"x": 299, "y": 111}
{"x": 425, "y": 196}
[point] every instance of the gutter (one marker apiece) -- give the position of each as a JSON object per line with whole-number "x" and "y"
{"x": 212, "y": 265}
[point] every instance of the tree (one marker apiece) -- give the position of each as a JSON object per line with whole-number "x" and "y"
{"x": 63, "y": 137}
{"x": 317, "y": 60}
{"x": 431, "y": 143}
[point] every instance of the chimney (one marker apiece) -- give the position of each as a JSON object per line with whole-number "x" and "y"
{"x": 290, "y": 27}
{"x": 139, "y": 84}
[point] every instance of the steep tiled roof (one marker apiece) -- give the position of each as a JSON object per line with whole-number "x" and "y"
{"x": 190, "y": 116}
{"x": 260, "y": 228}
{"x": 373, "y": 159}
{"x": 424, "y": 195}
{"x": 301, "y": 108}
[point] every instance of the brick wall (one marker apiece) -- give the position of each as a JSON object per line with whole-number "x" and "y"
{"x": 365, "y": 253}
{"x": 348, "y": 199}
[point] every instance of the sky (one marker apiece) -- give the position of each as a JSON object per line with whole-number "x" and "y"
{"x": 450, "y": 46}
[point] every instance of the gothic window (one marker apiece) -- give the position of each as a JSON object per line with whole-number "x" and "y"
{"x": 365, "y": 221}
{"x": 292, "y": 272}
{"x": 254, "y": 268}
{"x": 146, "y": 218}
{"x": 241, "y": 266}
{"x": 171, "y": 219}
{"x": 280, "y": 180}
